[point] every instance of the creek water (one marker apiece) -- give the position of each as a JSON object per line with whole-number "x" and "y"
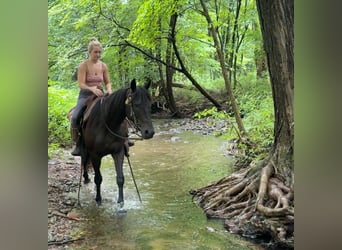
{"x": 165, "y": 168}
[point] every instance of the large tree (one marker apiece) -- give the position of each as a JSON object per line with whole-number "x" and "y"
{"x": 259, "y": 199}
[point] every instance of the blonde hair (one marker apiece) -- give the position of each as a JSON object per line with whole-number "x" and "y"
{"x": 93, "y": 42}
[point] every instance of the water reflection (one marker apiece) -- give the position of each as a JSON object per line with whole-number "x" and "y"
{"x": 166, "y": 168}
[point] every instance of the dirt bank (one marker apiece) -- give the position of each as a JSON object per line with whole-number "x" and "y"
{"x": 63, "y": 177}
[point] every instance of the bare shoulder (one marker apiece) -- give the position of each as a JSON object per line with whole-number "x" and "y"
{"x": 82, "y": 65}
{"x": 104, "y": 66}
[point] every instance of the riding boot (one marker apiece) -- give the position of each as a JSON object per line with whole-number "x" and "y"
{"x": 76, "y": 138}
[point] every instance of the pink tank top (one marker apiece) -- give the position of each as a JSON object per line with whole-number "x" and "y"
{"x": 94, "y": 79}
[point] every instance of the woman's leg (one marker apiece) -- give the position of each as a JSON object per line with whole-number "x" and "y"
{"x": 75, "y": 123}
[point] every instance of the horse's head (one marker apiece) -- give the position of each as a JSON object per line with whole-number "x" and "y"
{"x": 138, "y": 104}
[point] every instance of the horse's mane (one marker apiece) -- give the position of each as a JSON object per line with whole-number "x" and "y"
{"x": 117, "y": 97}
{"x": 115, "y": 100}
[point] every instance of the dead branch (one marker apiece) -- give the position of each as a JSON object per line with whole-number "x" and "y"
{"x": 63, "y": 242}
{"x": 65, "y": 216}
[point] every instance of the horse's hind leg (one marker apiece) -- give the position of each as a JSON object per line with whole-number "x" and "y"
{"x": 120, "y": 179}
{"x": 97, "y": 179}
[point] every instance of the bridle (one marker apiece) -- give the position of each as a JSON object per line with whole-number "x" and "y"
{"x": 133, "y": 124}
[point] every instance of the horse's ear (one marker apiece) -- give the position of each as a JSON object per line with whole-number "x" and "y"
{"x": 133, "y": 85}
{"x": 148, "y": 84}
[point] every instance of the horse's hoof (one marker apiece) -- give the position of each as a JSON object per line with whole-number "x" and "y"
{"x": 98, "y": 202}
{"x": 121, "y": 204}
{"x": 121, "y": 212}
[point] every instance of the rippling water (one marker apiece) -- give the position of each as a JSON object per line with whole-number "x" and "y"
{"x": 165, "y": 168}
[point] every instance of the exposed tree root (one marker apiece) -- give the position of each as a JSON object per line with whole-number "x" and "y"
{"x": 254, "y": 202}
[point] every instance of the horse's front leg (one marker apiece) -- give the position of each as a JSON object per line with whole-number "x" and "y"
{"x": 120, "y": 179}
{"x": 97, "y": 179}
{"x": 85, "y": 174}
{"x": 85, "y": 165}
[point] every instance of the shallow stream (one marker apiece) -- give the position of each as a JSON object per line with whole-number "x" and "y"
{"x": 165, "y": 168}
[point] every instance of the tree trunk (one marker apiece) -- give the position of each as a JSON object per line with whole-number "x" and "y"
{"x": 260, "y": 63}
{"x": 234, "y": 40}
{"x": 224, "y": 69}
{"x": 260, "y": 60}
{"x": 276, "y": 19}
{"x": 186, "y": 72}
{"x": 170, "y": 71}
{"x": 161, "y": 85}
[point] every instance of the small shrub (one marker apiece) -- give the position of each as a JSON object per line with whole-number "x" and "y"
{"x": 212, "y": 112}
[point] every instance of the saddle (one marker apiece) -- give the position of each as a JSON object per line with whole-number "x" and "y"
{"x": 89, "y": 105}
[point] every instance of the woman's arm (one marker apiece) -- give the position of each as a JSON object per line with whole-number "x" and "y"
{"x": 106, "y": 79}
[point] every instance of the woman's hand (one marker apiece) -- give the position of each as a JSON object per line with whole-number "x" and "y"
{"x": 96, "y": 91}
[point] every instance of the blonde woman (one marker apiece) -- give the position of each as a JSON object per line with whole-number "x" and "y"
{"x": 92, "y": 76}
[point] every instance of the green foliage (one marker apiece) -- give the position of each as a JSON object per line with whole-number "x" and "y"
{"x": 52, "y": 149}
{"x": 60, "y": 101}
{"x": 146, "y": 24}
{"x": 255, "y": 101}
{"x": 259, "y": 121}
{"x": 212, "y": 112}
{"x": 146, "y": 28}
{"x": 256, "y": 105}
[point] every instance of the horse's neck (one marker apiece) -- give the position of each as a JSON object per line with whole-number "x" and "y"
{"x": 114, "y": 109}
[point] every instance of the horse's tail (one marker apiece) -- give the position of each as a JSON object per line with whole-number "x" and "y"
{"x": 85, "y": 158}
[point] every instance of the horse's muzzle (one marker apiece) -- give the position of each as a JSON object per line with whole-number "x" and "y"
{"x": 147, "y": 133}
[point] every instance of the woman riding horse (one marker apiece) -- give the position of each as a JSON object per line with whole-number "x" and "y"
{"x": 91, "y": 74}
{"x": 104, "y": 130}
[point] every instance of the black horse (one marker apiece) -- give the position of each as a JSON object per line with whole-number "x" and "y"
{"x": 105, "y": 131}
